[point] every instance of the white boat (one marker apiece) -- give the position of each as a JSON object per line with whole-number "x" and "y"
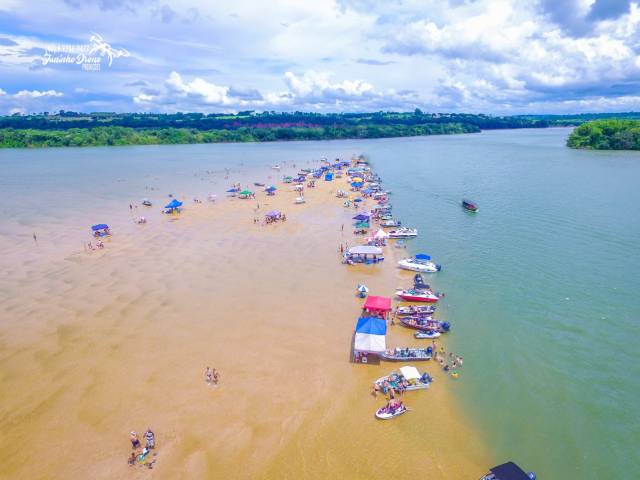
{"x": 388, "y": 412}
{"x": 390, "y": 223}
{"x": 419, "y": 265}
{"x": 413, "y": 295}
{"x": 276, "y": 167}
{"x": 427, "y": 334}
{"x": 403, "y": 232}
{"x": 407, "y": 378}
{"x": 300, "y": 200}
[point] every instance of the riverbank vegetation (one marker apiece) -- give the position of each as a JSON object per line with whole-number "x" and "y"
{"x": 98, "y": 129}
{"x": 609, "y": 134}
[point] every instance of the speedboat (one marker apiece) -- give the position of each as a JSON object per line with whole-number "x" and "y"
{"x": 469, "y": 205}
{"x": 419, "y": 263}
{"x": 276, "y": 167}
{"x": 416, "y": 310}
{"x": 403, "y": 232}
{"x": 508, "y": 471}
{"x": 427, "y": 334}
{"x": 390, "y": 223}
{"x": 412, "y": 295}
{"x": 146, "y": 202}
{"x": 406, "y": 378}
{"x": 425, "y": 323}
{"x": 390, "y": 411}
{"x": 407, "y": 354}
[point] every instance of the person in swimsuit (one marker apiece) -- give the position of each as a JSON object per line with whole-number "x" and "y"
{"x": 208, "y": 375}
{"x": 135, "y": 442}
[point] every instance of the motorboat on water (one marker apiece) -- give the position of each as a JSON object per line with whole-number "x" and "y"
{"x": 413, "y": 295}
{"x": 427, "y": 334}
{"x": 508, "y": 471}
{"x": 469, "y": 205}
{"x": 420, "y": 263}
{"x": 416, "y": 310}
{"x": 390, "y": 223}
{"x": 391, "y": 411}
{"x": 406, "y": 378}
{"x": 425, "y": 323}
{"x": 403, "y": 232}
{"x": 275, "y": 167}
{"x": 407, "y": 354}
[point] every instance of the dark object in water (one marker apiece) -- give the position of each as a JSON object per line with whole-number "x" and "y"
{"x": 508, "y": 471}
{"x": 469, "y": 205}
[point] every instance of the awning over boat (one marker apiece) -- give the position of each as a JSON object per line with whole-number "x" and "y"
{"x": 509, "y": 471}
{"x": 173, "y": 204}
{"x": 410, "y": 373}
{"x": 370, "y": 335}
{"x": 377, "y": 304}
{"x": 381, "y": 234}
{"x": 364, "y": 250}
{"x": 423, "y": 256}
{"x": 100, "y": 226}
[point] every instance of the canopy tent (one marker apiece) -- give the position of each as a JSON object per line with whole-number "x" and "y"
{"x": 370, "y": 335}
{"x": 410, "y": 373}
{"x": 381, "y": 234}
{"x": 509, "y": 471}
{"x": 422, "y": 256}
{"x": 357, "y": 184}
{"x": 362, "y": 217}
{"x": 377, "y": 304}
{"x": 364, "y": 250}
{"x": 173, "y": 204}
{"x": 246, "y": 192}
{"x": 272, "y": 213}
{"x": 99, "y": 226}
{"x": 271, "y": 188}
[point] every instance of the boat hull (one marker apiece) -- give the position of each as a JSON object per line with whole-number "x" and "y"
{"x": 417, "y": 298}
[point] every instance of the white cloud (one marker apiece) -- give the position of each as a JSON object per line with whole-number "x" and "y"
{"x": 37, "y": 94}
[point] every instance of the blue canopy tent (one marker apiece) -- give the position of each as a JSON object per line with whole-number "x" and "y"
{"x": 362, "y": 217}
{"x": 173, "y": 204}
{"x": 357, "y": 184}
{"x": 328, "y": 177}
{"x": 100, "y": 226}
{"x": 370, "y": 335}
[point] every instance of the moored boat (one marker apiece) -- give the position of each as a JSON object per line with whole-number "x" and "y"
{"x": 407, "y": 354}
{"x": 413, "y": 295}
{"x": 508, "y": 471}
{"x": 416, "y": 310}
{"x": 391, "y": 411}
{"x": 403, "y": 232}
{"x": 469, "y": 205}
{"x": 425, "y": 323}
{"x": 420, "y": 263}
{"x": 390, "y": 223}
{"x": 146, "y": 202}
{"x": 427, "y": 334}
{"x": 406, "y": 378}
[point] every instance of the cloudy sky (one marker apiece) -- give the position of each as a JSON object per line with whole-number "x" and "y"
{"x": 497, "y": 57}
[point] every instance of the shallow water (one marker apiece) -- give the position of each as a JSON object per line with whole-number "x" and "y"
{"x": 541, "y": 289}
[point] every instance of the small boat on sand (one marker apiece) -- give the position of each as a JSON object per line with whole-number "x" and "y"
{"x": 391, "y": 411}
{"x": 407, "y": 354}
{"x": 413, "y": 295}
{"x": 469, "y": 205}
{"x": 300, "y": 200}
{"x": 406, "y": 378}
{"x": 276, "y": 167}
{"x": 426, "y": 334}
{"x": 416, "y": 310}
{"x": 420, "y": 263}
{"x": 403, "y": 232}
{"x": 258, "y": 184}
{"x": 146, "y": 202}
{"x": 425, "y": 323}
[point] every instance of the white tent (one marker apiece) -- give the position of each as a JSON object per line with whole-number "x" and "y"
{"x": 381, "y": 234}
{"x": 364, "y": 250}
{"x": 410, "y": 373}
{"x": 366, "y": 342}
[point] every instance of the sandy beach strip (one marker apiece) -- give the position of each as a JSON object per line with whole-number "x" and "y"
{"x": 95, "y": 345}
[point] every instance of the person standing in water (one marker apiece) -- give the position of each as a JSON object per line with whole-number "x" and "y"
{"x": 35, "y": 239}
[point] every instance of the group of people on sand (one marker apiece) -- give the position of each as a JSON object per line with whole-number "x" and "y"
{"x": 138, "y": 455}
{"x": 211, "y": 376}
{"x": 99, "y": 245}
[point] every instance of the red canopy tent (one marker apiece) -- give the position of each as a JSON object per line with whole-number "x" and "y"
{"x": 380, "y": 305}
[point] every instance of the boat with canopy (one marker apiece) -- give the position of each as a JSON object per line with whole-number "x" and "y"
{"x": 406, "y": 378}
{"x": 406, "y": 354}
{"x": 420, "y": 263}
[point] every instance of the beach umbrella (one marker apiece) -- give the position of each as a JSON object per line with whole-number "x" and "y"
{"x": 272, "y": 188}
{"x": 358, "y": 200}
{"x": 363, "y": 288}
{"x": 232, "y": 190}
{"x": 99, "y": 226}
{"x": 381, "y": 234}
{"x": 356, "y": 179}
{"x": 422, "y": 256}
{"x": 173, "y": 204}
{"x": 246, "y": 192}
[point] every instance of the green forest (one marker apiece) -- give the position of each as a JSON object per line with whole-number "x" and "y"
{"x": 606, "y": 134}
{"x": 64, "y": 129}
